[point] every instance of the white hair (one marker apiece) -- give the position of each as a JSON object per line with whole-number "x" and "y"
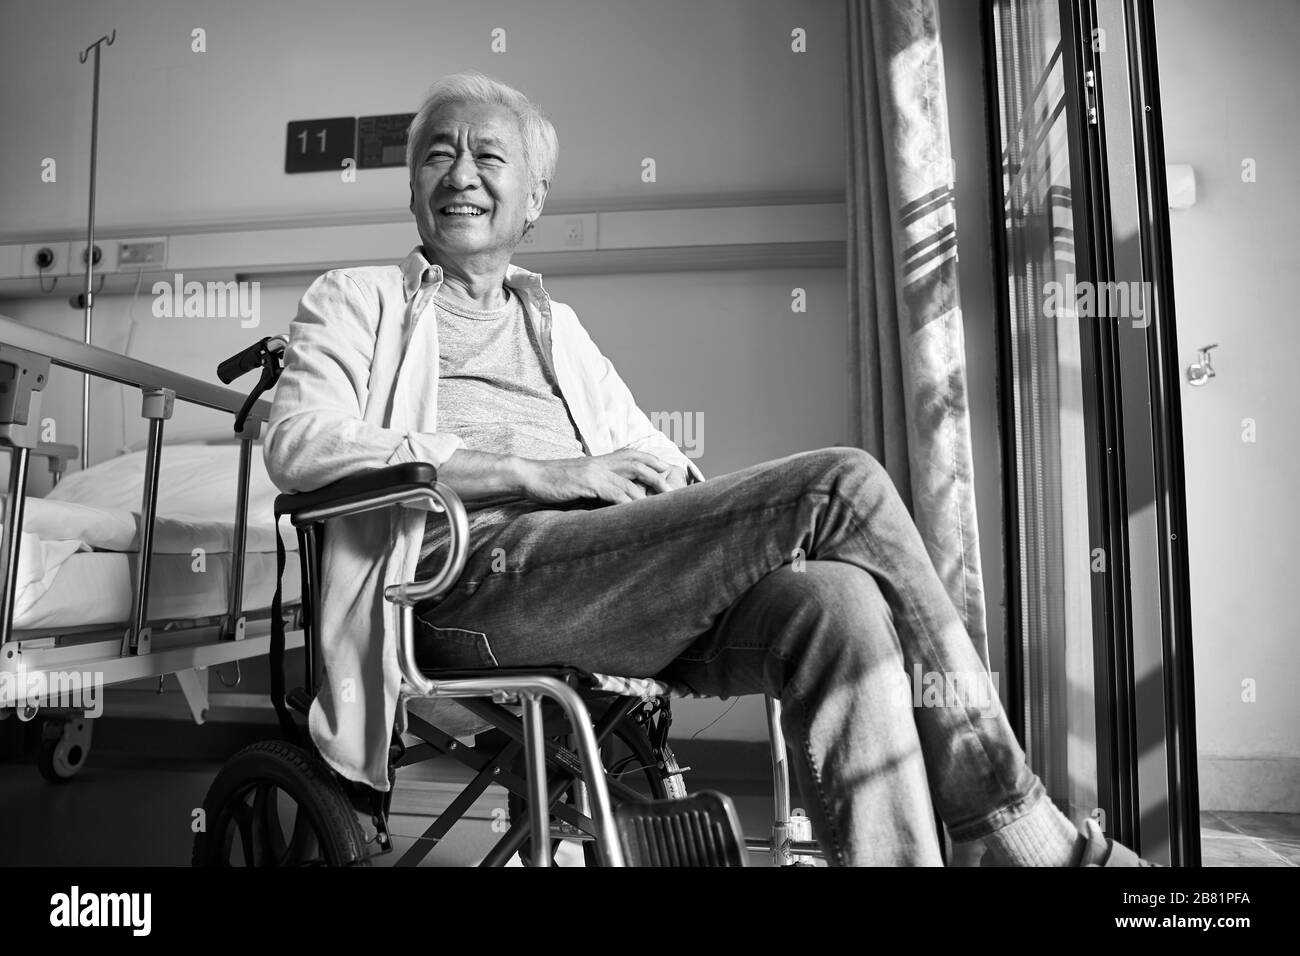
{"x": 541, "y": 146}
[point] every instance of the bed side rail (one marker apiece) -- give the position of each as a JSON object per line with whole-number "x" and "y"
{"x": 26, "y": 355}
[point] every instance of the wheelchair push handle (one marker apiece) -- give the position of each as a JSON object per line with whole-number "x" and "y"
{"x": 254, "y": 356}
{"x": 266, "y": 355}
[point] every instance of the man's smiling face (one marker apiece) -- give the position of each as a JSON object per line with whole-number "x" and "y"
{"x": 472, "y": 193}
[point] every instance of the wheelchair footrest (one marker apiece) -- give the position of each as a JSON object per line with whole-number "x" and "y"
{"x": 699, "y": 830}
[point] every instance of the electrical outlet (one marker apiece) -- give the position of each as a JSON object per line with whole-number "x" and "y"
{"x": 573, "y": 231}
{"x": 561, "y": 234}
{"x": 76, "y": 263}
{"x": 55, "y": 254}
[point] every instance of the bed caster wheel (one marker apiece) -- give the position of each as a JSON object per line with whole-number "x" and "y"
{"x": 276, "y": 805}
{"x": 65, "y": 745}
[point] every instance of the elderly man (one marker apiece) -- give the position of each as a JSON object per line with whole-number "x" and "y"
{"x": 597, "y": 543}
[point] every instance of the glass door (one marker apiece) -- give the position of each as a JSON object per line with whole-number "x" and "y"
{"x": 1045, "y": 435}
{"x": 1092, "y": 454}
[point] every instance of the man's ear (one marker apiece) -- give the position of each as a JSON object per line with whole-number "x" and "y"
{"x": 537, "y": 197}
{"x": 411, "y": 204}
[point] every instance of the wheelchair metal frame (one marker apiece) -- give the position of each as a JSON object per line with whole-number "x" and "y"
{"x": 528, "y": 690}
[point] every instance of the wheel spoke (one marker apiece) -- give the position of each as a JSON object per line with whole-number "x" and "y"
{"x": 303, "y": 849}
{"x": 633, "y": 772}
{"x": 266, "y": 824}
{"x": 243, "y": 817}
{"x": 276, "y": 805}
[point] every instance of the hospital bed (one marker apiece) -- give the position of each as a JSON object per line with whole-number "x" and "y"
{"x": 155, "y": 563}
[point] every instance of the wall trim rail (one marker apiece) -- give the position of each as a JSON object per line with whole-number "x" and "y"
{"x": 647, "y": 240}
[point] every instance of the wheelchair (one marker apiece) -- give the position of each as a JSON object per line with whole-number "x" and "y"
{"x": 583, "y": 757}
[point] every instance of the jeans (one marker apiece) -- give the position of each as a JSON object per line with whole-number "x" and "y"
{"x": 802, "y": 578}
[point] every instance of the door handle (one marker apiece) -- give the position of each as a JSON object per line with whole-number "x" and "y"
{"x": 1201, "y": 371}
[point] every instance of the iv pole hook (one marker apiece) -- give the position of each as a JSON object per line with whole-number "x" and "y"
{"x": 106, "y": 40}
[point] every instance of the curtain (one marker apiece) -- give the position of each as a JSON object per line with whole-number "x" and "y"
{"x": 908, "y": 371}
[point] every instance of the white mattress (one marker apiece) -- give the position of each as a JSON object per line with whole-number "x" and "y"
{"x": 94, "y": 587}
{"x": 78, "y": 543}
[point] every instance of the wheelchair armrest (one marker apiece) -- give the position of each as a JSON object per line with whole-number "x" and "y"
{"x": 405, "y": 484}
{"x": 375, "y": 488}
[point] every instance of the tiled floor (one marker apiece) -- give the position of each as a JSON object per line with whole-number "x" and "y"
{"x": 1235, "y": 838}
{"x": 129, "y": 812}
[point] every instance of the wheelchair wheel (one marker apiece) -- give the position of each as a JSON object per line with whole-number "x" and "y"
{"x": 628, "y": 757}
{"x": 275, "y": 805}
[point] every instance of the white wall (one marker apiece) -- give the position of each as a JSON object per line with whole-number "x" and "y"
{"x": 1228, "y": 77}
{"x": 710, "y": 90}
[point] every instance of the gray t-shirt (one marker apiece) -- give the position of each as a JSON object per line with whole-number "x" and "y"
{"x": 497, "y": 395}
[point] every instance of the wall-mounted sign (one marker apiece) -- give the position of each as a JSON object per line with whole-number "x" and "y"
{"x": 381, "y": 140}
{"x": 321, "y": 145}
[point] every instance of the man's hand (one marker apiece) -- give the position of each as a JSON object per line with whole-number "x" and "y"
{"x": 623, "y": 475}
{"x": 676, "y": 477}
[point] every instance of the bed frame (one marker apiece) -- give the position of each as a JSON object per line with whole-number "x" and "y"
{"x": 141, "y": 647}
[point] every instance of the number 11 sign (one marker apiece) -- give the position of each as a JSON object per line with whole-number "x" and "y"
{"x": 315, "y": 146}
